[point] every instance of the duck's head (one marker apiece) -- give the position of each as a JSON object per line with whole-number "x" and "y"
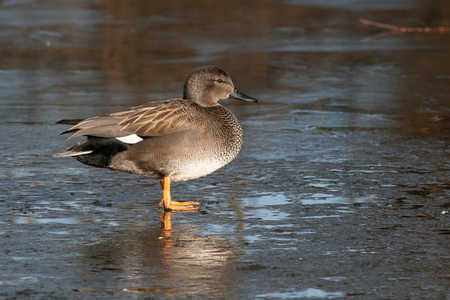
{"x": 205, "y": 86}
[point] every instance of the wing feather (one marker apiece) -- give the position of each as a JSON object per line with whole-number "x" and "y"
{"x": 152, "y": 119}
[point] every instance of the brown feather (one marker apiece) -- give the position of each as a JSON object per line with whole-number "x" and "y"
{"x": 152, "y": 119}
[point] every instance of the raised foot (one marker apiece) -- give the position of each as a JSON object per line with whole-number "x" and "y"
{"x": 182, "y": 206}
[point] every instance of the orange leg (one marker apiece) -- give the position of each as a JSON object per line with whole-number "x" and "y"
{"x": 170, "y": 205}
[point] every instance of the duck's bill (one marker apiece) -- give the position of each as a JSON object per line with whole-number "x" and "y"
{"x": 241, "y": 96}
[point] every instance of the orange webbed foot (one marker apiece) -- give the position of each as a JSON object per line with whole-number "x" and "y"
{"x": 169, "y": 205}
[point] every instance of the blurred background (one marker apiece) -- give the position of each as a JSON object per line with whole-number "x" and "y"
{"x": 341, "y": 188}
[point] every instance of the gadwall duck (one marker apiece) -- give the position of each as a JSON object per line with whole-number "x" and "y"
{"x": 175, "y": 139}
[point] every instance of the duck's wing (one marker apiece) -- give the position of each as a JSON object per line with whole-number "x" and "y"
{"x": 152, "y": 119}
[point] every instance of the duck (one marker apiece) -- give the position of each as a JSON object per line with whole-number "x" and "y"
{"x": 169, "y": 140}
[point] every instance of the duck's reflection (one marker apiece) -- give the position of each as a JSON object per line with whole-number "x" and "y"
{"x": 171, "y": 260}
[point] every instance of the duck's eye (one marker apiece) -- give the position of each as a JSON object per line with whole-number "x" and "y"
{"x": 219, "y": 80}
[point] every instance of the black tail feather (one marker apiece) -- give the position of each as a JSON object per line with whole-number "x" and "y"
{"x": 69, "y": 121}
{"x": 103, "y": 151}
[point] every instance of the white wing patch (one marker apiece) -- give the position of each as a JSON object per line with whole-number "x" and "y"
{"x": 130, "y": 139}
